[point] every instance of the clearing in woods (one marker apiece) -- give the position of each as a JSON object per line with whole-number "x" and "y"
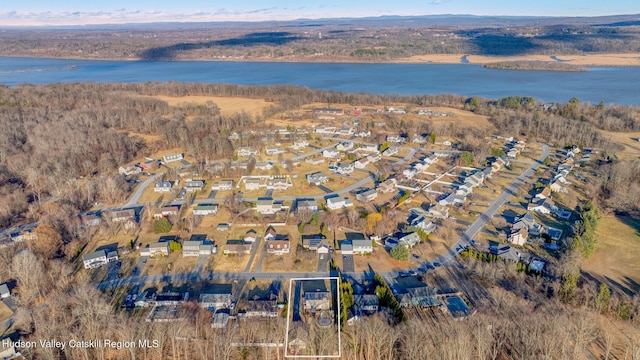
{"x": 616, "y": 260}
{"x": 227, "y": 105}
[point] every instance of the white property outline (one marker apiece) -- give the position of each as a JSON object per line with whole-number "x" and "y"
{"x": 289, "y": 304}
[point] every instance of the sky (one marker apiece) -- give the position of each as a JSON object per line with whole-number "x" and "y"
{"x": 81, "y": 12}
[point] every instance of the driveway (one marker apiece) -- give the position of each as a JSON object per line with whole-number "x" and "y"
{"x": 137, "y": 270}
{"x": 212, "y": 194}
{"x": 347, "y": 264}
{"x": 323, "y": 261}
{"x": 202, "y": 261}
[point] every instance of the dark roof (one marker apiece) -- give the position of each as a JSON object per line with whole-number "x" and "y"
{"x": 355, "y": 236}
{"x": 168, "y": 238}
{"x": 218, "y": 289}
{"x": 198, "y": 237}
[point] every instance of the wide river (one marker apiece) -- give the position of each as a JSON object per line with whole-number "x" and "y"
{"x": 609, "y": 84}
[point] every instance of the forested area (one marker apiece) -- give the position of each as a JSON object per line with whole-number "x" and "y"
{"x": 518, "y": 317}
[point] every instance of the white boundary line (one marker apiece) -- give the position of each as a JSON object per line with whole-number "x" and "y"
{"x": 289, "y": 312}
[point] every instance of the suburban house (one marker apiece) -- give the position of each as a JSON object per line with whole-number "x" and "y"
{"x": 314, "y": 160}
{"x": 363, "y": 133}
{"x": 299, "y": 145}
{"x": 344, "y": 146}
{"x": 395, "y": 138}
{"x": 518, "y": 236}
{"x": 408, "y": 240}
{"x": 123, "y": 215}
{"x": 423, "y": 223}
{"x": 387, "y": 186}
{"x": 544, "y": 193}
{"x": 321, "y": 129}
{"x": 129, "y": 170}
{"x": 172, "y": 157}
{"x": 165, "y": 212}
{"x": 394, "y": 110}
{"x": 261, "y": 308}
{"x": 373, "y": 148}
{"x": 346, "y": 131}
{"x": 197, "y": 245}
{"x": 527, "y": 222}
{"x": 264, "y": 165}
{"x": 162, "y": 186}
{"x": 205, "y": 209}
{"x": 316, "y": 300}
{"x": 545, "y": 206}
{"x": 220, "y": 320}
{"x": 194, "y": 185}
{"x": 99, "y": 258}
{"x": 313, "y": 242}
{"x": 223, "y": 185}
{"x": 452, "y": 198}
{"x": 361, "y": 163}
{"x": 557, "y": 188}
{"x": 366, "y": 303}
{"x": 4, "y": 291}
{"x": 266, "y": 206}
{"x": 158, "y": 249}
{"x": 246, "y": 152}
{"x": 344, "y": 168}
{"x": 335, "y": 203}
{"x": 330, "y": 153}
{"x": 250, "y": 236}
{"x": 223, "y": 227}
{"x": 409, "y": 173}
{"x": 242, "y": 165}
{"x": 216, "y": 297}
{"x": 328, "y": 110}
{"x": 237, "y": 247}
{"x": 279, "y": 183}
{"x": 317, "y": 178}
{"x": 418, "y": 139}
{"x": 251, "y": 183}
{"x": 393, "y": 150}
{"x": 439, "y": 212}
{"x": 278, "y": 245}
{"x": 273, "y": 150}
{"x": 308, "y": 205}
{"x": 367, "y": 195}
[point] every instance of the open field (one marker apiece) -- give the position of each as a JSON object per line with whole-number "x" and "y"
{"x": 379, "y": 261}
{"x": 616, "y": 260}
{"x": 578, "y": 60}
{"x": 148, "y": 138}
{"x": 628, "y": 140}
{"x": 227, "y": 105}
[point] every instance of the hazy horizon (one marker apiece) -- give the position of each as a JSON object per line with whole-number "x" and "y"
{"x": 75, "y": 12}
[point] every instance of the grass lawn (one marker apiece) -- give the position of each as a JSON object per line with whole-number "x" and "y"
{"x": 380, "y": 261}
{"x": 148, "y": 195}
{"x": 617, "y": 257}
{"x": 222, "y": 262}
{"x": 174, "y": 263}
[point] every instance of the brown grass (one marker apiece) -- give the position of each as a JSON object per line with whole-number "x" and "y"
{"x": 628, "y": 140}
{"x": 617, "y": 257}
{"x": 227, "y": 105}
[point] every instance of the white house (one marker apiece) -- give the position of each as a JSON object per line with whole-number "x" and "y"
{"x": 362, "y": 246}
{"x": 273, "y": 150}
{"x": 361, "y": 163}
{"x": 300, "y": 145}
{"x": 223, "y": 185}
{"x": 393, "y": 150}
{"x": 545, "y": 206}
{"x": 307, "y": 205}
{"x": 266, "y": 206}
{"x": 424, "y": 224}
{"x": 246, "y": 152}
{"x": 330, "y": 153}
{"x": 363, "y": 133}
{"x": 335, "y": 203}
{"x": 172, "y": 157}
{"x": 345, "y": 168}
{"x": 205, "y": 209}
{"x": 279, "y": 183}
{"x": 95, "y": 259}
{"x": 317, "y": 178}
{"x": 162, "y": 186}
{"x": 395, "y": 138}
{"x": 252, "y": 183}
{"x": 4, "y": 291}
{"x": 344, "y": 146}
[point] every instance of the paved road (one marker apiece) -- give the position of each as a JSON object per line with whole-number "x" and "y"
{"x": 478, "y": 225}
{"x": 137, "y": 194}
{"x": 212, "y": 194}
{"x": 323, "y": 260}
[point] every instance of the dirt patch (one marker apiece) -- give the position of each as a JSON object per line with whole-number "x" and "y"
{"x": 617, "y": 257}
